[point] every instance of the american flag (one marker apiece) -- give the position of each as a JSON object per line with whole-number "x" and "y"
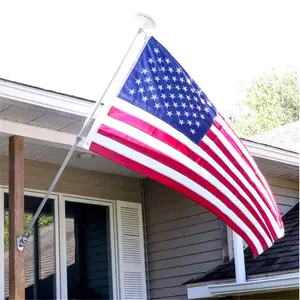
{"x": 162, "y": 125}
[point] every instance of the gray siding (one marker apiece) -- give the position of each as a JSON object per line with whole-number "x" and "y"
{"x": 39, "y": 175}
{"x": 183, "y": 241}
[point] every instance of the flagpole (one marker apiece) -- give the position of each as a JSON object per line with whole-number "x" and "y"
{"x": 147, "y": 22}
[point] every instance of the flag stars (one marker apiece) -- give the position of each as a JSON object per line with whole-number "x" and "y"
{"x": 160, "y": 60}
{"x": 166, "y": 78}
{"x": 198, "y": 124}
{"x": 190, "y": 122}
{"x": 163, "y": 96}
{"x": 157, "y": 79}
{"x": 180, "y": 96}
{"x": 157, "y": 105}
{"x": 151, "y": 88}
{"x": 177, "y": 87}
{"x": 191, "y": 106}
{"x": 199, "y": 107}
{"x": 169, "y": 87}
{"x": 172, "y": 96}
{"x": 202, "y": 116}
{"x": 166, "y": 104}
{"x": 175, "y": 104}
{"x": 163, "y": 69}
{"x": 183, "y": 105}
{"x": 156, "y": 51}
{"x": 178, "y": 70}
{"x": 144, "y": 71}
{"x": 206, "y": 109}
{"x": 178, "y": 113}
{"x": 186, "y": 113}
{"x": 169, "y": 113}
{"x": 181, "y": 79}
{"x": 195, "y": 115}
{"x": 141, "y": 90}
{"x": 168, "y": 61}
{"x": 138, "y": 81}
{"x": 193, "y": 131}
{"x": 154, "y": 70}
{"x": 185, "y": 88}
{"x": 160, "y": 87}
{"x": 131, "y": 92}
{"x": 170, "y": 70}
{"x": 188, "y": 81}
{"x": 148, "y": 79}
{"x": 181, "y": 122}
{"x": 150, "y": 60}
{"x": 174, "y": 78}
{"x": 144, "y": 98}
{"x": 154, "y": 97}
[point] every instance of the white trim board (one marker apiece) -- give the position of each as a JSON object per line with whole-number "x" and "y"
{"x": 271, "y": 284}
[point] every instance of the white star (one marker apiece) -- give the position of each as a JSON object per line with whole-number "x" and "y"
{"x": 192, "y": 90}
{"x": 131, "y": 92}
{"x": 199, "y": 107}
{"x": 151, "y": 88}
{"x": 181, "y": 79}
{"x": 166, "y": 104}
{"x": 184, "y": 88}
{"x": 144, "y": 71}
{"x": 181, "y": 122}
{"x": 141, "y": 90}
{"x": 177, "y": 87}
{"x": 209, "y": 103}
{"x": 170, "y": 70}
{"x": 202, "y": 100}
{"x": 163, "y": 96}
{"x": 178, "y": 113}
{"x": 174, "y": 78}
{"x": 178, "y": 70}
{"x": 199, "y": 92}
{"x": 191, "y": 106}
{"x": 190, "y": 122}
{"x": 196, "y": 99}
{"x": 138, "y": 81}
{"x": 198, "y": 124}
{"x": 180, "y": 96}
{"x": 188, "y": 81}
{"x": 163, "y": 69}
{"x": 202, "y": 116}
{"x": 156, "y": 50}
{"x": 160, "y": 87}
{"x": 157, "y": 105}
{"x": 172, "y": 96}
{"x": 186, "y": 113}
{"x": 169, "y": 113}
{"x": 206, "y": 109}
{"x": 150, "y": 60}
{"x": 183, "y": 105}
{"x": 145, "y": 98}
{"x": 166, "y": 78}
{"x": 193, "y": 131}
{"x": 169, "y": 87}
{"x": 157, "y": 79}
{"x": 167, "y": 61}
{"x": 188, "y": 97}
{"x": 160, "y": 60}
{"x": 154, "y": 97}
{"x": 195, "y": 115}
{"x": 175, "y": 104}
{"x": 154, "y": 70}
{"x": 148, "y": 79}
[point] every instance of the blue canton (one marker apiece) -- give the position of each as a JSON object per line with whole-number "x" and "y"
{"x": 159, "y": 85}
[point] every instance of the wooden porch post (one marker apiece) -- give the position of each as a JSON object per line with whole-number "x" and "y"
{"x": 16, "y": 217}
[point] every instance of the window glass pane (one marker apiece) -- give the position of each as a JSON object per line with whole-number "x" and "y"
{"x": 88, "y": 251}
{"x": 39, "y": 253}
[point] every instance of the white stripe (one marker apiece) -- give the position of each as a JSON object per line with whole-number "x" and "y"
{"x": 156, "y": 122}
{"x": 179, "y": 157}
{"x": 176, "y": 176}
{"x": 248, "y": 156}
{"x": 242, "y": 163}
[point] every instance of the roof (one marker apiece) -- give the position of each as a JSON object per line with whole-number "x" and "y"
{"x": 282, "y": 256}
{"x": 285, "y": 137}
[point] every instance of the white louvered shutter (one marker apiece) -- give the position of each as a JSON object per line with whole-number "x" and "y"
{"x": 131, "y": 251}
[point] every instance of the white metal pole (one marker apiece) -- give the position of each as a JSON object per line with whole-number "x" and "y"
{"x": 239, "y": 259}
{"x": 22, "y": 240}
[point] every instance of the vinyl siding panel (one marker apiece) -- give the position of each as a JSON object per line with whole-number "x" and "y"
{"x": 183, "y": 241}
{"x": 39, "y": 175}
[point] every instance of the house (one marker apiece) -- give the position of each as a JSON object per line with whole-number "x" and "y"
{"x": 106, "y": 232}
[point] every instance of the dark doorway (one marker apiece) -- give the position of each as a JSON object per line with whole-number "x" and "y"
{"x": 88, "y": 251}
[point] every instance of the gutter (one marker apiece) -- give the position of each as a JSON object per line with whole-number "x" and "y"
{"x": 271, "y": 284}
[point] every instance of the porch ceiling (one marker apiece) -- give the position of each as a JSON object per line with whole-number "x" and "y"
{"x": 63, "y": 122}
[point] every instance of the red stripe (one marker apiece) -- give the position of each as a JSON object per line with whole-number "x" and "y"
{"x": 173, "y": 164}
{"x": 233, "y": 160}
{"x": 173, "y": 185}
{"x": 169, "y": 140}
{"x": 251, "y": 163}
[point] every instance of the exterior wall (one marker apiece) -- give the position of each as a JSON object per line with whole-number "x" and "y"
{"x": 39, "y": 175}
{"x": 184, "y": 241}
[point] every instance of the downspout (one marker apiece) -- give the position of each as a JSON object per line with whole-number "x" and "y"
{"x": 145, "y": 238}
